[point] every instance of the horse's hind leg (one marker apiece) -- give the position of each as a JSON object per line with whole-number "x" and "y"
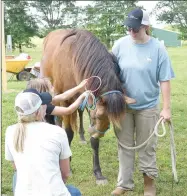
{"x": 100, "y": 179}
{"x": 81, "y": 128}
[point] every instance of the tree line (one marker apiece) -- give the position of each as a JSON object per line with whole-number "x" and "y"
{"x": 25, "y": 19}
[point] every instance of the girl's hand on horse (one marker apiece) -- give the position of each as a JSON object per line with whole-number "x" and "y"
{"x": 83, "y": 84}
{"x": 84, "y": 94}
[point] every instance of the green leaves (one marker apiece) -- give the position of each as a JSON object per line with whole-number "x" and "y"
{"x": 53, "y": 15}
{"x": 19, "y": 23}
{"x": 104, "y": 19}
{"x": 24, "y": 19}
{"x": 174, "y": 13}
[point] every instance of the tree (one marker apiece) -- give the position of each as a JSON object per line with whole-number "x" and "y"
{"x": 174, "y": 13}
{"x": 19, "y": 24}
{"x": 170, "y": 28}
{"x": 104, "y": 19}
{"x": 53, "y": 15}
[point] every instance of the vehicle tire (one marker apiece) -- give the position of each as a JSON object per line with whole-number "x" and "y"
{"x": 23, "y": 75}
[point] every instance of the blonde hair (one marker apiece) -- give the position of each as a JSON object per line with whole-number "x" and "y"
{"x": 147, "y": 29}
{"x": 40, "y": 84}
{"x": 20, "y": 133}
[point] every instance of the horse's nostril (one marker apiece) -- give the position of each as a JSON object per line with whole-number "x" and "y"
{"x": 91, "y": 130}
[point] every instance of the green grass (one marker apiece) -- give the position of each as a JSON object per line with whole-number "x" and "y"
{"x": 82, "y": 154}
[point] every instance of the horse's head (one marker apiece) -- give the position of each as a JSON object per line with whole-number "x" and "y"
{"x": 111, "y": 99}
{"x": 110, "y": 107}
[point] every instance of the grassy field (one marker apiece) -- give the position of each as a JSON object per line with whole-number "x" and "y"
{"x": 82, "y": 154}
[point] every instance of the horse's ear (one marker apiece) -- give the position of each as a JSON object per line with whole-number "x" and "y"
{"x": 129, "y": 100}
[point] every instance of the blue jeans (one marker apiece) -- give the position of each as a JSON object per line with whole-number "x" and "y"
{"x": 73, "y": 190}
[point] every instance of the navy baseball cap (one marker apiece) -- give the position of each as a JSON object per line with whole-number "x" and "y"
{"x": 136, "y": 18}
{"x": 30, "y": 100}
{"x": 45, "y": 97}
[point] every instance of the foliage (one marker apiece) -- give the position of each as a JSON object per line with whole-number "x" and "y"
{"x": 19, "y": 23}
{"x": 174, "y": 13}
{"x": 104, "y": 19}
{"x": 53, "y": 15}
{"x": 170, "y": 28}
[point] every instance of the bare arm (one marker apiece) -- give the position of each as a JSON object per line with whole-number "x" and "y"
{"x": 13, "y": 165}
{"x": 166, "y": 90}
{"x": 69, "y": 93}
{"x": 65, "y": 169}
{"x": 58, "y": 111}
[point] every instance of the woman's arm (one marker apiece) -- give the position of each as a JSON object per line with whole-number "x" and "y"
{"x": 69, "y": 93}
{"x": 166, "y": 111}
{"x": 59, "y": 110}
{"x": 13, "y": 165}
{"x": 65, "y": 169}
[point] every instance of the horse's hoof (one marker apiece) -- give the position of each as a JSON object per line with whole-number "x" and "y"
{"x": 102, "y": 182}
{"x": 83, "y": 142}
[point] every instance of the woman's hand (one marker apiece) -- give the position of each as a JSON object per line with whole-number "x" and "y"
{"x": 166, "y": 114}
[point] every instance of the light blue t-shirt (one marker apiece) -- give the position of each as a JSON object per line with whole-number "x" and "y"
{"x": 143, "y": 66}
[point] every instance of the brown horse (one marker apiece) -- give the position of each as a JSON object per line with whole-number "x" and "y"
{"x": 69, "y": 56}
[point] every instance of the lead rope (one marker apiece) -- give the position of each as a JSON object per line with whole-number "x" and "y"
{"x": 172, "y": 143}
{"x": 90, "y": 93}
{"x": 94, "y": 99}
{"x": 155, "y": 132}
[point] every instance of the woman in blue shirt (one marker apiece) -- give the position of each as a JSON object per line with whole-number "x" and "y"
{"x": 145, "y": 69}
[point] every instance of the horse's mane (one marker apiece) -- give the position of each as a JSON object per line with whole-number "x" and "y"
{"x": 91, "y": 58}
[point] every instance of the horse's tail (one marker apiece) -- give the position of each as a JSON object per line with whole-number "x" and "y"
{"x": 70, "y": 121}
{"x": 73, "y": 121}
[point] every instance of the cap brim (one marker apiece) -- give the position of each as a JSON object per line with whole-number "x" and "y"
{"x": 132, "y": 23}
{"x": 46, "y": 98}
{"x": 31, "y": 90}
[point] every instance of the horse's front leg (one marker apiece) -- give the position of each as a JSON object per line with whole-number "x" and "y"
{"x": 100, "y": 179}
{"x": 70, "y": 134}
{"x": 81, "y": 128}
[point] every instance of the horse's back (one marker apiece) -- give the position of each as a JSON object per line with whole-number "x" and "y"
{"x": 56, "y": 60}
{"x": 52, "y": 39}
{"x": 72, "y": 55}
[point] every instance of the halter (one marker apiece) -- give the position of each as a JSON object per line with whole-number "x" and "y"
{"x": 85, "y": 104}
{"x": 111, "y": 92}
{"x": 90, "y": 93}
{"x": 93, "y": 106}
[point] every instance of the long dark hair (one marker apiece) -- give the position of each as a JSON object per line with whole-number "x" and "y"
{"x": 91, "y": 58}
